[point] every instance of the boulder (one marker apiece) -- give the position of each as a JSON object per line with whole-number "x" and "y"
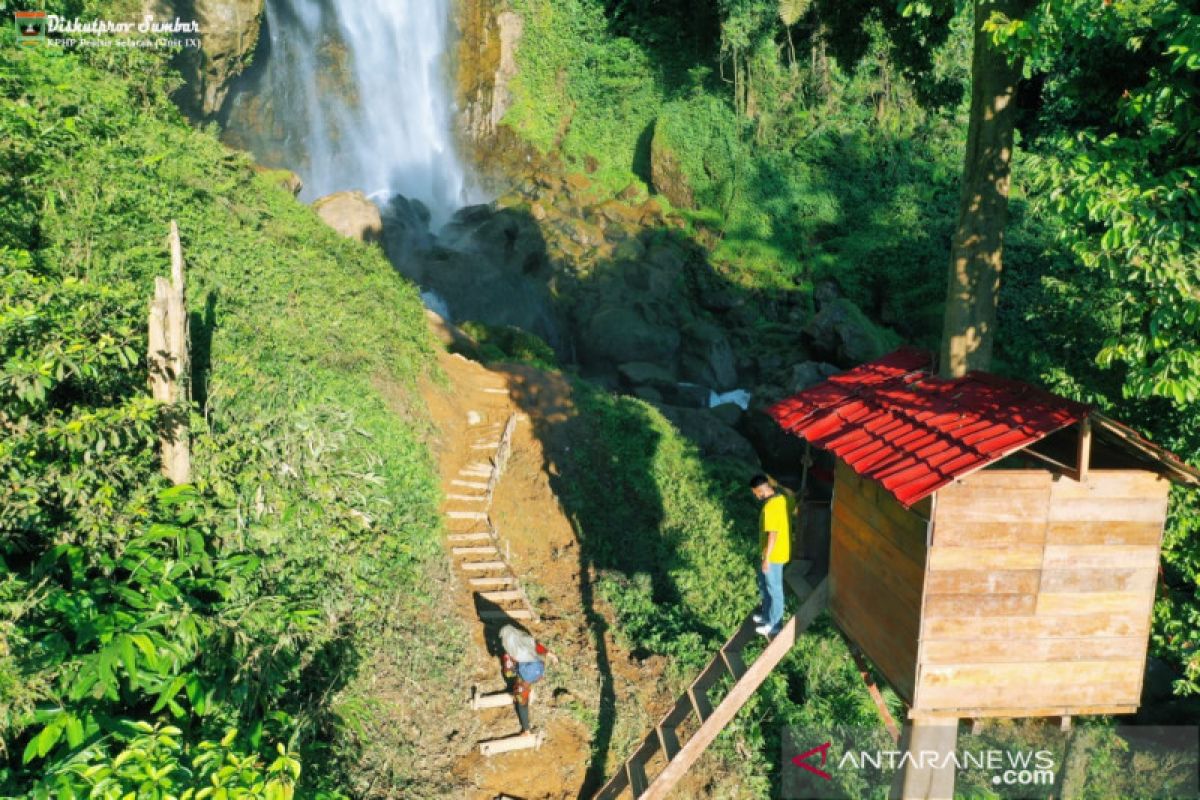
{"x": 648, "y": 393}
{"x": 810, "y": 373}
{"x": 713, "y": 436}
{"x": 352, "y": 215}
{"x": 780, "y": 451}
{"x": 405, "y": 228}
{"x": 666, "y": 173}
{"x": 687, "y": 395}
{"x": 228, "y": 35}
{"x": 840, "y": 331}
{"x": 729, "y": 413}
{"x": 619, "y": 333}
{"x": 642, "y": 373}
{"x": 708, "y": 357}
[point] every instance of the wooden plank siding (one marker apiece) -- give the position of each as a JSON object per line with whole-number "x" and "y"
{"x": 876, "y": 572}
{"x": 1038, "y": 593}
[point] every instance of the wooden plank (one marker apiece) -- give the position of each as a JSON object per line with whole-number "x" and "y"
{"x": 1099, "y": 580}
{"x": 1079, "y": 603}
{"x": 477, "y": 536}
{"x": 1083, "y": 456}
{"x": 980, "y": 605}
{"x": 484, "y": 550}
{"x": 967, "y": 503}
{"x": 469, "y": 484}
{"x": 995, "y": 651}
{"x": 889, "y": 641}
{"x": 954, "y": 533}
{"x": 502, "y": 581}
{"x": 1124, "y": 509}
{"x": 1106, "y": 532}
{"x": 494, "y": 700}
{"x": 1060, "y": 556}
{"x": 1013, "y": 712}
{"x": 503, "y": 596}
{"x": 739, "y": 694}
{"x": 468, "y": 498}
{"x": 483, "y": 565}
{"x": 1021, "y": 629}
{"x": 972, "y": 581}
{"x": 1002, "y": 480}
{"x": 877, "y": 511}
{"x": 637, "y": 776}
{"x": 985, "y": 558}
{"x": 1024, "y": 673}
{"x": 700, "y": 703}
{"x": 467, "y": 514}
{"x": 1112, "y": 483}
{"x": 512, "y": 613}
{"x": 1035, "y": 694}
{"x": 734, "y": 663}
{"x": 668, "y": 739}
{"x": 874, "y": 560}
{"x": 522, "y": 741}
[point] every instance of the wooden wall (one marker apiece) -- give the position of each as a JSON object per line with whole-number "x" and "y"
{"x": 1038, "y": 594}
{"x": 876, "y": 571}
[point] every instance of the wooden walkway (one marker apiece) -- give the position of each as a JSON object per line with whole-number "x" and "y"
{"x": 669, "y": 745}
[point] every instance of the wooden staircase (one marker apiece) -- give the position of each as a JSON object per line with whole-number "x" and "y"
{"x": 694, "y": 709}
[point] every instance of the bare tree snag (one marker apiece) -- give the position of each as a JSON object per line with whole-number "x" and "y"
{"x": 978, "y": 243}
{"x": 170, "y": 364}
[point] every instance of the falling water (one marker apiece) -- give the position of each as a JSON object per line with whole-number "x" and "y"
{"x": 353, "y": 94}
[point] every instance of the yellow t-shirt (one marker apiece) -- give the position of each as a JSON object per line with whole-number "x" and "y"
{"x": 775, "y": 516}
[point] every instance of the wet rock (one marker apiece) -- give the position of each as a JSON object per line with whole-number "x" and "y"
{"x": 405, "y": 227}
{"x": 713, "y": 436}
{"x": 648, "y": 393}
{"x": 840, "y": 331}
{"x": 487, "y": 64}
{"x": 352, "y": 215}
{"x": 229, "y": 33}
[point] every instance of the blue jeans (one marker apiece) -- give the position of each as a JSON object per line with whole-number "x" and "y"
{"x": 770, "y": 592}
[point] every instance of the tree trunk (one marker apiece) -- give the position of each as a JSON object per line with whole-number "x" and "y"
{"x": 978, "y": 243}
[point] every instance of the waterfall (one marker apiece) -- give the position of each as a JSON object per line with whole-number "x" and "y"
{"x": 353, "y": 94}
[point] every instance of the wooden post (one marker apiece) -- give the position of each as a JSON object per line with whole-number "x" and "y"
{"x": 170, "y": 363}
{"x": 923, "y": 781}
{"x": 1085, "y": 447}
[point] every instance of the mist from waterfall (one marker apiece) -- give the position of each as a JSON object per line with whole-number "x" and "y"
{"x": 354, "y": 94}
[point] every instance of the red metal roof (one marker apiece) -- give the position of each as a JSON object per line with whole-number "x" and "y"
{"x": 893, "y": 421}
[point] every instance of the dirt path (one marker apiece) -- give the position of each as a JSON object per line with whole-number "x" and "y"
{"x": 576, "y": 704}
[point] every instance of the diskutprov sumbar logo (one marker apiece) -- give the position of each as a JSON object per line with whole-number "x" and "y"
{"x": 31, "y": 27}
{"x": 39, "y": 28}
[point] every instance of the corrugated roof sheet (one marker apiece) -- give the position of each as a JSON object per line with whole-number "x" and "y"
{"x": 893, "y": 421}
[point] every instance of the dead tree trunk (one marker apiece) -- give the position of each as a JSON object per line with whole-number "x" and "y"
{"x": 977, "y": 247}
{"x": 170, "y": 364}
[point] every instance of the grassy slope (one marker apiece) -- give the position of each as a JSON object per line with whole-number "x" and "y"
{"x": 311, "y": 450}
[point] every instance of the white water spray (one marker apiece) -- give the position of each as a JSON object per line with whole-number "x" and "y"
{"x": 357, "y": 97}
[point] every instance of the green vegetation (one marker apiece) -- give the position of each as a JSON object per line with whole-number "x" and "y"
{"x": 508, "y": 343}
{"x": 675, "y": 558}
{"x": 823, "y": 141}
{"x": 233, "y": 636}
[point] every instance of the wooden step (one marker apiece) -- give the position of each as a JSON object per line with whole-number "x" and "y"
{"x": 475, "y": 473}
{"x": 467, "y": 514}
{"x": 486, "y": 446}
{"x": 496, "y": 391}
{"x": 469, "y": 484}
{"x": 668, "y": 739}
{"x": 637, "y": 776}
{"x": 734, "y": 663}
{"x": 522, "y": 741}
{"x": 481, "y": 701}
{"x": 481, "y": 582}
{"x": 483, "y": 565}
{"x": 483, "y": 550}
{"x": 516, "y": 613}
{"x": 499, "y": 597}
{"x": 700, "y": 704}
{"x": 469, "y": 498}
{"x": 478, "y": 536}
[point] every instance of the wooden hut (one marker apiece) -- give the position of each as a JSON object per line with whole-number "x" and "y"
{"x": 994, "y": 548}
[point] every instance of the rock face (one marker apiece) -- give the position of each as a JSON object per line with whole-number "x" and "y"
{"x": 711, "y": 434}
{"x": 841, "y": 331}
{"x": 228, "y": 34}
{"x": 666, "y": 174}
{"x": 489, "y": 36}
{"x": 352, "y": 215}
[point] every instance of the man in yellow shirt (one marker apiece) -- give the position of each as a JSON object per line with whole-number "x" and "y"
{"x": 775, "y": 550}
